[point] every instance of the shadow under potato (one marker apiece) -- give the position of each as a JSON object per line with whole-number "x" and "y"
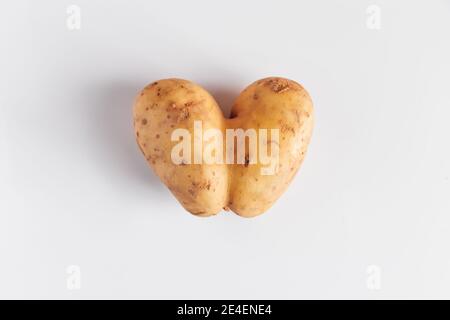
{"x": 113, "y": 127}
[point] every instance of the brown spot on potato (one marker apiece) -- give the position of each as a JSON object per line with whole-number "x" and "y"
{"x": 202, "y": 185}
{"x": 278, "y": 85}
{"x": 284, "y": 127}
{"x": 183, "y": 115}
{"x": 247, "y": 160}
{"x": 157, "y": 136}
{"x": 144, "y": 122}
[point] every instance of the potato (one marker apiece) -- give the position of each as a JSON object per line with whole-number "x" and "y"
{"x": 212, "y": 163}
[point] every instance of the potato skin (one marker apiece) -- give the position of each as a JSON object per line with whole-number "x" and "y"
{"x": 272, "y": 103}
{"x": 204, "y": 189}
{"x": 162, "y": 107}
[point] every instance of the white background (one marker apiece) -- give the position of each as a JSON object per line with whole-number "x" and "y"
{"x": 373, "y": 191}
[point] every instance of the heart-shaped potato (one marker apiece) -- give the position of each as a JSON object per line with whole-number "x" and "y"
{"x": 211, "y": 163}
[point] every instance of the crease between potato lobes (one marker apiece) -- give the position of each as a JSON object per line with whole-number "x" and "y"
{"x": 209, "y": 162}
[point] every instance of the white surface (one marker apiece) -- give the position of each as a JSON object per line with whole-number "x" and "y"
{"x": 374, "y": 189}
